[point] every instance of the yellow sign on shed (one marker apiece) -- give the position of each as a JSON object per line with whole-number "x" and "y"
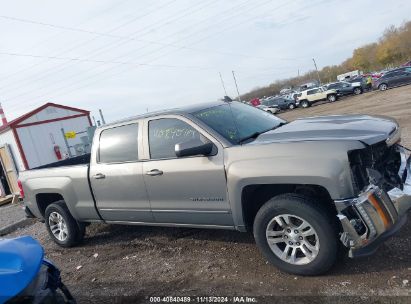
{"x": 70, "y": 134}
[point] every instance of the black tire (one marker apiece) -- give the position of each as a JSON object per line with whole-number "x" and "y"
{"x": 305, "y": 104}
{"x": 75, "y": 230}
{"x": 383, "y": 87}
{"x": 357, "y": 91}
{"x": 319, "y": 218}
{"x": 291, "y": 106}
{"x": 332, "y": 97}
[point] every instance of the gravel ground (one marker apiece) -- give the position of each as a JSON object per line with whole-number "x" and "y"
{"x": 10, "y": 214}
{"x": 119, "y": 261}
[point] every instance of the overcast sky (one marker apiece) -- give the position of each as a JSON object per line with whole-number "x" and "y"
{"x": 127, "y": 56}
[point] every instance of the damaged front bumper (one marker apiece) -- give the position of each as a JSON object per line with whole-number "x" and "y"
{"x": 375, "y": 215}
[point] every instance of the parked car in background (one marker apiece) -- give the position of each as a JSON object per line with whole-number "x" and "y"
{"x": 394, "y": 78}
{"x": 360, "y": 81}
{"x": 345, "y": 88}
{"x": 308, "y": 85}
{"x": 255, "y": 102}
{"x": 271, "y": 109}
{"x": 308, "y": 97}
{"x": 281, "y": 102}
{"x": 407, "y": 64}
{"x": 286, "y": 91}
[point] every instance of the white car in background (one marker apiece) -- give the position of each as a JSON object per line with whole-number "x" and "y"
{"x": 273, "y": 109}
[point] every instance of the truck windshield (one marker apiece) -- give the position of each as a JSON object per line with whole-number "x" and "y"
{"x": 236, "y": 121}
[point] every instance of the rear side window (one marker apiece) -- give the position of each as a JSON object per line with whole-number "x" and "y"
{"x": 119, "y": 144}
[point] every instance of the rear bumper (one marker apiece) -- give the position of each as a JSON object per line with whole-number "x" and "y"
{"x": 375, "y": 215}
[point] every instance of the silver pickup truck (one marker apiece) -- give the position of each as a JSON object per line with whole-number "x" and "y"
{"x": 308, "y": 189}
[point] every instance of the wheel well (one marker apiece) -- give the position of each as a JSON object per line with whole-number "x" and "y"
{"x": 254, "y": 196}
{"x": 45, "y": 199}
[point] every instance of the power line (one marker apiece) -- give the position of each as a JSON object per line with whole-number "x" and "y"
{"x": 99, "y": 50}
{"x": 61, "y": 69}
{"x": 100, "y": 61}
{"x": 222, "y": 83}
{"x": 123, "y": 71}
{"x": 82, "y": 44}
{"x": 128, "y": 38}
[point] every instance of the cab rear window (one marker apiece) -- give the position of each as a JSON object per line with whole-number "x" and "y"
{"x": 119, "y": 144}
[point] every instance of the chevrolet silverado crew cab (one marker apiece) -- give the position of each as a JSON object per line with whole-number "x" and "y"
{"x": 306, "y": 98}
{"x": 308, "y": 189}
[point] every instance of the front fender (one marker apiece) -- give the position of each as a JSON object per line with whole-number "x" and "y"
{"x": 300, "y": 163}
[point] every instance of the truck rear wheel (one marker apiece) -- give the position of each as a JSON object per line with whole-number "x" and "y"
{"x": 296, "y": 235}
{"x": 61, "y": 226}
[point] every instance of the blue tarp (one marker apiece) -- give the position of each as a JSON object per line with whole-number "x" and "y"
{"x": 20, "y": 261}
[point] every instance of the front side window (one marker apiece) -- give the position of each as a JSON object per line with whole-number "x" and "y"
{"x": 311, "y": 92}
{"x": 165, "y": 133}
{"x": 235, "y": 121}
{"x": 119, "y": 144}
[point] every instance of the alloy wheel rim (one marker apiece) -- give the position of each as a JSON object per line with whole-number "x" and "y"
{"x": 58, "y": 226}
{"x": 292, "y": 239}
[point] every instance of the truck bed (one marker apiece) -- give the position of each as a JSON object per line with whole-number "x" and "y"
{"x": 79, "y": 160}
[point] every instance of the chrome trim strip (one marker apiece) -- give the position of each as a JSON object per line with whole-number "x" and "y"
{"x": 168, "y": 211}
{"x": 191, "y": 211}
{"x": 173, "y": 225}
{"x": 126, "y": 210}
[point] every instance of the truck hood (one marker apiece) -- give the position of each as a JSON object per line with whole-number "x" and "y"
{"x": 364, "y": 128}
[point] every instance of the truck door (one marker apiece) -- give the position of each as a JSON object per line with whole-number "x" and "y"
{"x": 186, "y": 190}
{"x": 116, "y": 175}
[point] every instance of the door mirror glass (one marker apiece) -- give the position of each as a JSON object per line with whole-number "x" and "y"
{"x": 192, "y": 148}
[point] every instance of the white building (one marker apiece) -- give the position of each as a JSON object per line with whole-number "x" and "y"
{"x": 36, "y": 139}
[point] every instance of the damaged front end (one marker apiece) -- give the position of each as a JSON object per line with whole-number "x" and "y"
{"x": 382, "y": 176}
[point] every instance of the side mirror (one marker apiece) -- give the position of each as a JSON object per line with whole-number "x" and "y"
{"x": 193, "y": 147}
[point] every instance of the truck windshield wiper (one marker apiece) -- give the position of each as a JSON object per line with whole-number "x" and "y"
{"x": 256, "y": 134}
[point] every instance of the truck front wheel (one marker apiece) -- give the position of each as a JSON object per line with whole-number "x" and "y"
{"x": 296, "y": 235}
{"x": 61, "y": 226}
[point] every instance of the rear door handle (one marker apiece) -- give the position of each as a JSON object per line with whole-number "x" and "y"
{"x": 154, "y": 172}
{"x": 99, "y": 176}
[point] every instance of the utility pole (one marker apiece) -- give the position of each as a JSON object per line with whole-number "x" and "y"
{"x": 238, "y": 92}
{"x": 102, "y": 117}
{"x": 222, "y": 82}
{"x": 318, "y": 74}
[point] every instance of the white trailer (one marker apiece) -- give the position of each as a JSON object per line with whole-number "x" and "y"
{"x": 349, "y": 75}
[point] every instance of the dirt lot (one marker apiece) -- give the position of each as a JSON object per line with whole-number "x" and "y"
{"x": 144, "y": 261}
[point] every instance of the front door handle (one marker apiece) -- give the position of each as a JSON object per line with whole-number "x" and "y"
{"x": 99, "y": 176}
{"x": 154, "y": 172}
